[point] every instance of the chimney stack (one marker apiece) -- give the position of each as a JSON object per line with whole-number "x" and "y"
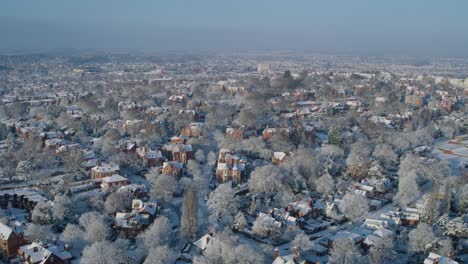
{"x": 276, "y": 254}
{"x": 296, "y": 254}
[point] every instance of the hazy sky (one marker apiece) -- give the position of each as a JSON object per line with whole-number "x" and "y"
{"x": 402, "y": 27}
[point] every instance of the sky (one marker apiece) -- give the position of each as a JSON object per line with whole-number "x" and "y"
{"x": 436, "y": 28}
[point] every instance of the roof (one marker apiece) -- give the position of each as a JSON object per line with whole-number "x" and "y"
{"x": 114, "y": 178}
{"x": 40, "y": 253}
{"x": 204, "y": 241}
{"x": 106, "y": 167}
{"x": 279, "y": 155}
{"x": 5, "y": 231}
{"x": 441, "y": 260}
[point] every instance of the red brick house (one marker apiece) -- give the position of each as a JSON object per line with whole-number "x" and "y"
{"x": 10, "y": 241}
{"x": 151, "y": 158}
{"x": 268, "y": 133}
{"x": 173, "y": 168}
{"x": 235, "y": 133}
{"x": 113, "y": 181}
{"x": 104, "y": 170}
{"x": 178, "y": 152}
{"x": 231, "y": 167}
{"x": 192, "y": 130}
{"x": 45, "y": 253}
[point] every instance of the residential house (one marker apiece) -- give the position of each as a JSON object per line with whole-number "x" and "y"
{"x": 11, "y": 239}
{"x": 45, "y": 253}
{"x": 434, "y": 258}
{"x": 173, "y": 168}
{"x": 141, "y": 216}
{"x": 114, "y": 181}
{"x": 104, "y": 170}
{"x": 178, "y": 152}
{"x": 235, "y": 133}
{"x": 279, "y": 158}
{"x": 151, "y": 158}
{"x": 192, "y": 130}
{"x": 231, "y": 167}
{"x": 268, "y": 133}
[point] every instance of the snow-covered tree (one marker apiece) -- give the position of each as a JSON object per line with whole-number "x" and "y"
{"x": 345, "y": 251}
{"x": 163, "y": 186}
{"x": 325, "y": 184}
{"x": 35, "y": 232}
{"x": 267, "y": 178}
{"x": 354, "y": 206}
{"x": 421, "y": 237}
{"x": 158, "y": 234}
{"x": 23, "y": 169}
{"x": 118, "y": 201}
{"x": 302, "y": 243}
{"x": 223, "y": 205}
{"x": 73, "y": 235}
{"x": 42, "y": 214}
{"x": 382, "y": 251}
{"x": 408, "y": 189}
{"x": 385, "y": 155}
{"x": 96, "y": 227}
{"x": 240, "y": 221}
{"x": 161, "y": 255}
{"x": 455, "y": 227}
{"x": 227, "y": 250}
{"x": 105, "y": 252}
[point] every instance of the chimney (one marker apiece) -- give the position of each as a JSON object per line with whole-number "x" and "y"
{"x": 276, "y": 254}
{"x": 451, "y": 255}
{"x": 54, "y": 241}
{"x": 296, "y": 254}
{"x": 66, "y": 247}
{"x": 208, "y": 239}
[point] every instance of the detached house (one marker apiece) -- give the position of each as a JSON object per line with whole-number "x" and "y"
{"x": 231, "y": 167}
{"x": 178, "y": 152}
{"x": 104, "y": 170}
{"x": 114, "y": 181}
{"x": 278, "y": 158}
{"x": 10, "y": 240}
{"x": 141, "y": 216}
{"x": 268, "y": 133}
{"x": 192, "y": 130}
{"x": 151, "y": 158}
{"x": 173, "y": 168}
{"x": 45, "y": 253}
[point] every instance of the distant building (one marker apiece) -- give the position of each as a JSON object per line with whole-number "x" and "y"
{"x": 192, "y": 130}
{"x": 413, "y": 100}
